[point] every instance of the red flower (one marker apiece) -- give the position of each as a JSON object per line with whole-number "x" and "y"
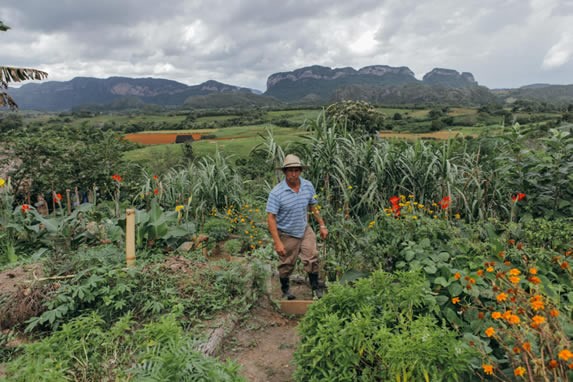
{"x": 395, "y": 200}
{"x": 117, "y": 178}
{"x": 155, "y": 177}
{"x": 156, "y": 191}
{"x": 25, "y": 208}
{"x": 58, "y": 198}
{"x": 445, "y": 202}
{"x": 518, "y": 197}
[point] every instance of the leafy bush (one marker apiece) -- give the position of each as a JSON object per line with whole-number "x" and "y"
{"x": 379, "y": 329}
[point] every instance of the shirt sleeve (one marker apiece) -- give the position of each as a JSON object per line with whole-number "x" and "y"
{"x": 273, "y": 203}
{"x": 313, "y": 200}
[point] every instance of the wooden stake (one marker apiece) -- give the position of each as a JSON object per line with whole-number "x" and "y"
{"x": 77, "y": 197}
{"x": 130, "y": 237}
{"x": 69, "y": 201}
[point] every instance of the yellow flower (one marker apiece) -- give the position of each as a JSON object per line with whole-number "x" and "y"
{"x": 420, "y": 206}
{"x": 490, "y": 331}
{"x": 455, "y": 300}
{"x": 518, "y": 372}
{"x": 179, "y": 208}
{"x": 349, "y": 187}
{"x": 487, "y": 369}
{"x": 414, "y": 217}
{"x": 2, "y": 182}
{"x": 489, "y": 269}
{"x": 458, "y": 216}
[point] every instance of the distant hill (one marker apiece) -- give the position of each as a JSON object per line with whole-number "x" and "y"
{"x": 309, "y": 86}
{"x": 377, "y": 84}
{"x": 562, "y": 94}
{"x": 64, "y": 95}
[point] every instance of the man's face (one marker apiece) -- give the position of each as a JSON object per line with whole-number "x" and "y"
{"x": 292, "y": 174}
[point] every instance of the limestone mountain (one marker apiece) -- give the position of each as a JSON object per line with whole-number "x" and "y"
{"x": 449, "y": 78}
{"x": 63, "y": 95}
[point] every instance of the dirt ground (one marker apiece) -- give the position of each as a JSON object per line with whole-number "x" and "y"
{"x": 264, "y": 343}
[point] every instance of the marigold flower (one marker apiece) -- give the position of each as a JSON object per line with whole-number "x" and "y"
{"x": 552, "y": 364}
{"x": 455, "y": 300}
{"x": 457, "y": 276}
{"x": 565, "y": 354}
{"x": 514, "y": 279}
{"x": 516, "y": 350}
{"x": 487, "y": 369}
{"x": 538, "y": 320}
{"x": 514, "y": 272}
{"x": 496, "y": 315}
{"x": 480, "y": 272}
{"x": 537, "y": 303}
{"x": 533, "y": 271}
{"x": 489, "y": 269}
{"x": 519, "y": 372}
{"x": 501, "y": 254}
{"x": 519, "y": 246}
{"x": 507, "y": 314}
{"x": 514, "y": 319}
{"x": 179, "y": 208}
{"x": 564, "y": 265}
{"x": 511, "y": 242}
{"x": 507, "y": 262}
{"x": 501, "y": 297}
{"x": 490, "y": 331}
{"x": 554, "y": 313}
{"x": 526, "y": 346}
{"x": 534, "y": 280}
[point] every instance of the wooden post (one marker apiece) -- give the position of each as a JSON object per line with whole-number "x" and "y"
{"x": 77, "y": 197}
{"x": 130, "y": 237}
{"x": 69, "y": 201}
{"x": 53, "y": 200}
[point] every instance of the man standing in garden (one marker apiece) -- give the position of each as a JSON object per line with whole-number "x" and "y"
{"x": 287, "y": 215}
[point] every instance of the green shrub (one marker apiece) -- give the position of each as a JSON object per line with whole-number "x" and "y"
{"x": 217, "y": 229}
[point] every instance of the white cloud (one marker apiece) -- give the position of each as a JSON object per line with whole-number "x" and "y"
{"x": 559, "y": 54}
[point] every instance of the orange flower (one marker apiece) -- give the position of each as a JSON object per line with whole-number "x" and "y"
{"x": 496, "y": 315}
{"x": 481, "y": 315}
{"x": 480, "y": 272}
{"x": 511, "y": 242}
{"x": 445, "y": 202}
{"x": 25, "y": 208}
{"x": 526, "y": 346}
{"x": 554, "y": 313}
{"x": 117, "y": 178}
{"x": 501, "y": 254}
{"x": 507, "y": 314}
{"x": 489, "y": 269}
{"x": 519, "y": 372}
{"x": 487, "y": 369}
{"x": 537, "y": 320}
{"x": 155, "y": 177}
{"x": 516, "y": 350}
{"x": 514, "y": 279}
{"x": 533, "y": 271}
{"x": 565, "y": 354}
{"x": 514, "y": 319}
{"x": 501, "y": 297}
{"x": 564, "y": 265}
{"x": 553, "y": 364}
{"x": 514, "y": 272}
{"x": 491, "y": 331}
{"x": 519, "y": 196}
{"x": 519, "y": 246}
{"x": 534, "y": 280}
{"x": 455, "y": 300}
{"x": 58, "y": 198}
{"x": 537, "y": 303}
{"x": 457, "y": 276}
{"x": 507, "y": 262}
{"x": 472, "y": 280}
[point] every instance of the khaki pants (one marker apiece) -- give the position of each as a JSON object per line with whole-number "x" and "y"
{"x": 295, "y": 247}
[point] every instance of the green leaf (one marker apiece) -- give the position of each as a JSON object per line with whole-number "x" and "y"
{"x": 441, "y": 281}
{"x": 455, "y": 289}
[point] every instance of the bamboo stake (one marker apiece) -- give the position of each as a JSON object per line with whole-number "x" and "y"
{"x": 69, "y": 201}
{"x": 130, "y": 237}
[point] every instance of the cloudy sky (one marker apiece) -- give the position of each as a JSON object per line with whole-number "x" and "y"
{"x": 504, "y": 43}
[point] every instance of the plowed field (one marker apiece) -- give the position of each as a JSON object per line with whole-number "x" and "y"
{"x": 157, "y": 138}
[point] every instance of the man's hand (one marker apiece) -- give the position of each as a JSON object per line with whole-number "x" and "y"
{"x": 323, "y": 232}
{"x": 280, "y": 248}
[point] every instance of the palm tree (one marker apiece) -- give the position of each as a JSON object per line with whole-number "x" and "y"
{"x": 11, "y": 74}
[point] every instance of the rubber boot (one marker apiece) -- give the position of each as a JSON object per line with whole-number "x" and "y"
{"x": 316, "y": 290}
{"x": 285, "y": 289}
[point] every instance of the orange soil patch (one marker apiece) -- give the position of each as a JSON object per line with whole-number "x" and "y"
{"x": 157, "y": 138}
{"x": 412, "y": 136}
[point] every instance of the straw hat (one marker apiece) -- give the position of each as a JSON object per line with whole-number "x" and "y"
{"x": 291, "y": 160}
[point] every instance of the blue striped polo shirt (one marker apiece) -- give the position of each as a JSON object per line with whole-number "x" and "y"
{"x": 291, "y": 208}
